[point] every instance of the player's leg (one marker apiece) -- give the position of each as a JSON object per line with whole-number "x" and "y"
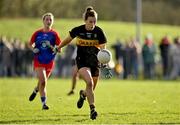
{"x": 95, "y": 80}
{"x": 36, "y": 89}
{"x": 74, "y": 79}
{"x": 82, "y": 93}
{"x": 93, "y": 113}
{"x": 42, "y": 77}
{"x": 34, "y": 93}
{"x": 86, "y": 76}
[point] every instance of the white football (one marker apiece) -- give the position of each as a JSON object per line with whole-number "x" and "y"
{"x": 104, "y": 56}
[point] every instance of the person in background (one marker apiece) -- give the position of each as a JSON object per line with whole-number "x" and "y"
{"x": 135, "y": 50}
{"x": 118, "y": 49}
{"x": 126, "y": 60}
{"x": 148, "y": 54}
{"x": 164, "y": 50}
{"x": 90, "y": 39}
{"x": 75, "y": 74}
{"x": 6, "y": 51}
{"x": 43, "y": 43}
{"x": 175, "y": 56}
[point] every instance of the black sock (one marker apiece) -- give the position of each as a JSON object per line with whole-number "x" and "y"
{"x": 35, "y": 90}
{"x": 92, "y": 107}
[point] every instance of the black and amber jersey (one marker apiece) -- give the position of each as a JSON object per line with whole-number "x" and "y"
{"x": 88, "y": 43}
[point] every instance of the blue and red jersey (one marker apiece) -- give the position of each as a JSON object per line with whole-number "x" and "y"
{"x": 44, "y": 41}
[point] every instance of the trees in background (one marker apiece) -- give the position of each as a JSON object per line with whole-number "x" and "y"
{"x": 153, "y": 11}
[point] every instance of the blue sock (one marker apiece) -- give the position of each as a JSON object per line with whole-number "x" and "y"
{"x": 43, "y": 100}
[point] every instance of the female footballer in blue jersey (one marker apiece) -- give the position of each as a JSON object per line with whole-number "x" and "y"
{"x": 43, "y": 42}
{"x": 89, "y": 40}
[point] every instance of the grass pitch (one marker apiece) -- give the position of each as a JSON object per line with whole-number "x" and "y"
{"x": 23, "y": 29}
{"x": 117, "y": 102}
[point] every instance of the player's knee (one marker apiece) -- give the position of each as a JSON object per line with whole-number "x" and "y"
{"x": 43, "y": 83}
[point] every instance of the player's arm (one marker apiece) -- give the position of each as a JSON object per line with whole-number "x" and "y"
{"x": 32, "y": 40}
{"x": 32, "y": 44}
{"x": 66, "y": 41}
{"x": 102, "y": 46}
{"x": 32, "y": 47}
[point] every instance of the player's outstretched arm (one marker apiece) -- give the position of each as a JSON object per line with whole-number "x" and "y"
{"x": 66, "y": 41}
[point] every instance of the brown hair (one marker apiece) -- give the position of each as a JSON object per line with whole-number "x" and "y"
{"x": 89, "y": 12}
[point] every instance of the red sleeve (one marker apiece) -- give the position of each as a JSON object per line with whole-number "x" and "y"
{"x": 32, "y": 40}
{"x": 58, "y": 40}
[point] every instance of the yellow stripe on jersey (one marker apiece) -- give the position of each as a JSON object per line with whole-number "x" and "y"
{"x": 84, "y": 42}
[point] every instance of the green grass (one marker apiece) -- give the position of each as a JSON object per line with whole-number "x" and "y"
{"x": 117, "y": 102}
{"x": 23, "y": 29}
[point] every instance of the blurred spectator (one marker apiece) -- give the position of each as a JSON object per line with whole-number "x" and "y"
{"x": 75, "y": 74}
{"x": 14, "y": 59}
{"x": 1, "y": 54}
{"x": 28, "y": 54}
{"x": 6, "y": 57}
{"x": 164, "y": 49}
{"x": 64, "y": 62}
{"x": 118, "y": 49}
{"x": 131, "y": 53}
{"x": 148, "y": 54}
{"x": 135, "y": 50}
{"x": 175, "y": 56}
{"x": 126, "y": 60}
{"x": 17, "y": 57}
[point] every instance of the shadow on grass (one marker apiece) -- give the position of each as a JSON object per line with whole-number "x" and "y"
{"x": 136, "y": 113}
{"x": 116, "y": 116}
{"x": 58, "y": 118}
{"x": 80, "y": 118}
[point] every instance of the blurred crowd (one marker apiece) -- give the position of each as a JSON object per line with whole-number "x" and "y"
{"x": 149, "y": 60}
{"x": 15, "y": 58}
{"x": 132, "y": 60}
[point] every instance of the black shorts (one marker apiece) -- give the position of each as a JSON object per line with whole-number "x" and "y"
{"x": 83, "y": 63}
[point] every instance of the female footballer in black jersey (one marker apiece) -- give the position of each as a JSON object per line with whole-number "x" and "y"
{"x": 89, "y": 40}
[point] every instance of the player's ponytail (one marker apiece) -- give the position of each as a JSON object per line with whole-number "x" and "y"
{"x": 88, "y": 9}
{"x": 89, "y": 12}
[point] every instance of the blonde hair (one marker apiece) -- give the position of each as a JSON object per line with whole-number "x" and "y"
{"x": 48, "y": 14}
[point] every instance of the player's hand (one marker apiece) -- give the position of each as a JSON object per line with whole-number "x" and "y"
{"x": 55, "y": 50}
{"x": 35, "y": 50}
{"x": 106, "y": 72}
{"x": 58, "y": 49}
